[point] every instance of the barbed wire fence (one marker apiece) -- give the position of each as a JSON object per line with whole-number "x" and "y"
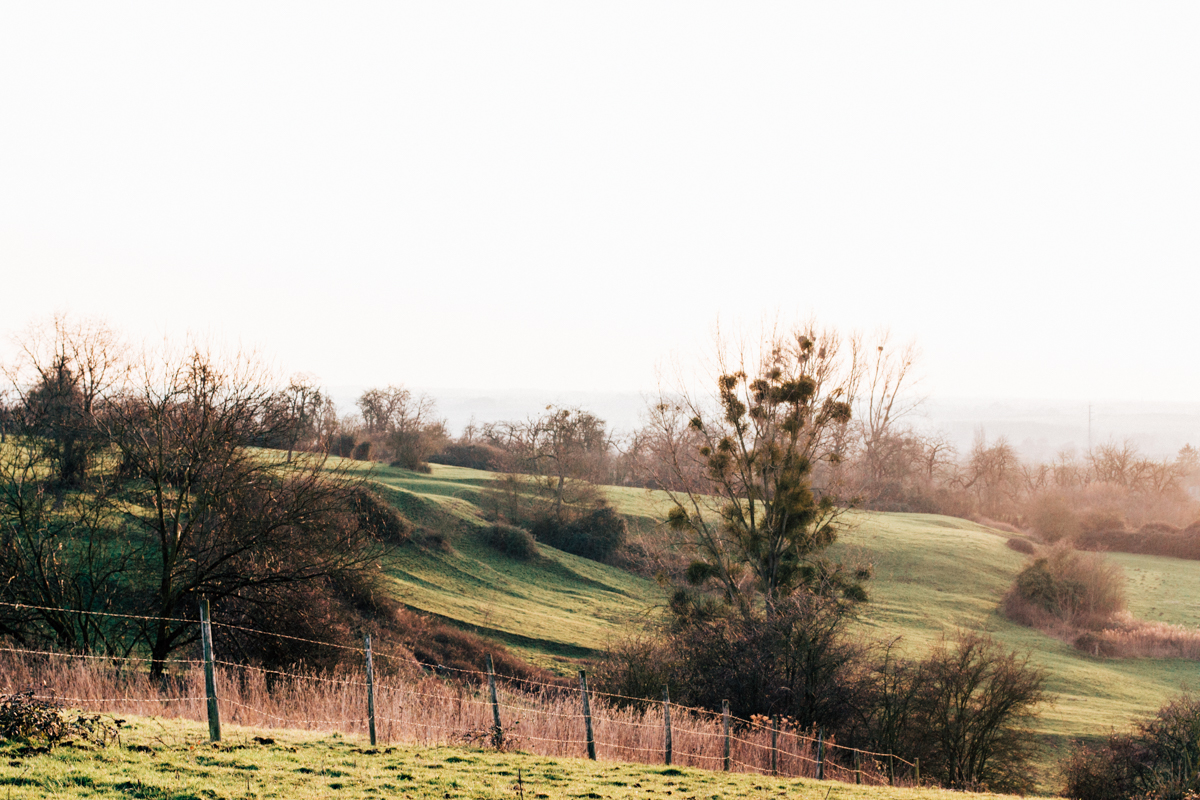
{"x": 411, "y": 702}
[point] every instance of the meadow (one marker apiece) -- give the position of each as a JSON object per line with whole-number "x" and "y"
{"x": 933, "y": 575}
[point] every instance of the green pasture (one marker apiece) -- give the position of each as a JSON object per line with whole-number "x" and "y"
{"x": 553, "y": 610}
{"x": 936, "y": 574}
{"x": 933, "y": 575}
{"x": 158, "y": 759}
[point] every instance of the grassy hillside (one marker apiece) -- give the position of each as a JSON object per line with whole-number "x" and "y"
{"x": 172, "y": 759}
{"x": 933, "y": 575}
{"x": 553, "y": 610}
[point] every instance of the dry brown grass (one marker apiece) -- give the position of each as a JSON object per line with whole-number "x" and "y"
{"x": 1135, "y": 638}
{"x": 429, "y": 710}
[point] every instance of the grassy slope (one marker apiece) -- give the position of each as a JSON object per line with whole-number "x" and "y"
{"x": 173, "y": 759}
{"x": 933, "y": 574}
{"x": 551, "y": 610}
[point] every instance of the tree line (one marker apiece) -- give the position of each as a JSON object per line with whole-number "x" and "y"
{"x": 136, "y": 482}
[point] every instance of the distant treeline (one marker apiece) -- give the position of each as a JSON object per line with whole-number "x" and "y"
{"x": 1155, "y": 539}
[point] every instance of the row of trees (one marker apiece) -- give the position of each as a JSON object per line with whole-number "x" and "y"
{"x": 135, "y": 483}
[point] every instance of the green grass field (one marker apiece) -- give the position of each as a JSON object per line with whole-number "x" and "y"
{"x": 937, "y": 574}
{"x": 553, "y": 610}
{"x": 933, "y": 575}
{"x": 173, "y": 760}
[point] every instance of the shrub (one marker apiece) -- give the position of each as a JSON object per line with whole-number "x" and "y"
{"x": 1159, "y": 760}
{"x": 342, "y": 445}
{"x": 431, "y": 539}
{"x": 971, "y": 706}
{"x": 1111, "y": 771}
{"x": 380, "y": 517}
{"x": 472, "y": 456}
{"x": 797, "y": 661}
{"x": 596, "y": 535}
{"x": 1101, "y": 520}
{"x": 361, "y": 451}
{"x": 1155, "y": 539}
{"x": 1079, "y": 589}
{"x": 1021, "y": 546}
{"x": 514, "y": 542}
{"x": 23, "y": 716}
{"x": 424, "y": 469}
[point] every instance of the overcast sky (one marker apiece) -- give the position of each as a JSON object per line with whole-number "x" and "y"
{"x": 559, "y": 196}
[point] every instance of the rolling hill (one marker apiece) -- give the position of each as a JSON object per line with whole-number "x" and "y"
{"x": 933, "y": 575}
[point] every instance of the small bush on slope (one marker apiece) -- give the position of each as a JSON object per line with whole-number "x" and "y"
{"x": 510, "y": 540}
{"x": 1066, "y": 588}
{"x": 597, "y": 534}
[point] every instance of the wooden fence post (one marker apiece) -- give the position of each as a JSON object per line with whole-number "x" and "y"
{"x": 775, "y": 745}
{"x": 210, "y": 679}
{"x": 821, "y": 754}
{"x": 857, "y": 767}
{"x": 917, "y": 770}
{"x": 370, "y": 687}
{"x": 667, "y": 725}
{"x": 725, "y": 719}
{"x": 587, "y": 716}
{"x": 497, "y": 731}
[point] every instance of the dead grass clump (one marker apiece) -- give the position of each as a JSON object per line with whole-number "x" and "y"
{"x": 1134, "y": 638}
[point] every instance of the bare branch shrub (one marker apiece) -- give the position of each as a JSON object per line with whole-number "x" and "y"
{"x": 1067, "y": 589}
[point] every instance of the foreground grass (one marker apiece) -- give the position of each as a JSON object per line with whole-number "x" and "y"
{"x": 172, "y": 759}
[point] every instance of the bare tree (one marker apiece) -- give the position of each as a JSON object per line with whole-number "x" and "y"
{"x": 62, "y": 558}
{"x": 404, "y": 423}
{"x": 217, "y": 518}
{"x": 993, "y": 476}
{"x": 64, "y": 371}
{"x": 568, "y": 446}
{"x": 296, "y": 413}
{"x": 886, "y": 399}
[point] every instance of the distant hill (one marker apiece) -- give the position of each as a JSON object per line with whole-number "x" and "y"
{"x": 1039, "y": 429}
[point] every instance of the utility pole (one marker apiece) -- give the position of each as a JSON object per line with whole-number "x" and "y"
{"x": 1089, "y": 428}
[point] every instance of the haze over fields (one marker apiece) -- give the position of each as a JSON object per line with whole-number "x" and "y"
{"x": 560, "y": 198}
{"x": 1038, "y": 429}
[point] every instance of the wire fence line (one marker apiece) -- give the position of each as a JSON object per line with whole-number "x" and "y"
{"x": 415, "y": 703}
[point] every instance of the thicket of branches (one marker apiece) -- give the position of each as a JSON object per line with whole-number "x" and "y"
{"x": 1159, "y": 759}
{"x": 137, "y": 483}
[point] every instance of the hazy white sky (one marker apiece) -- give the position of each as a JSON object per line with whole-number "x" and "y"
{"x": 560, "y": 195}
